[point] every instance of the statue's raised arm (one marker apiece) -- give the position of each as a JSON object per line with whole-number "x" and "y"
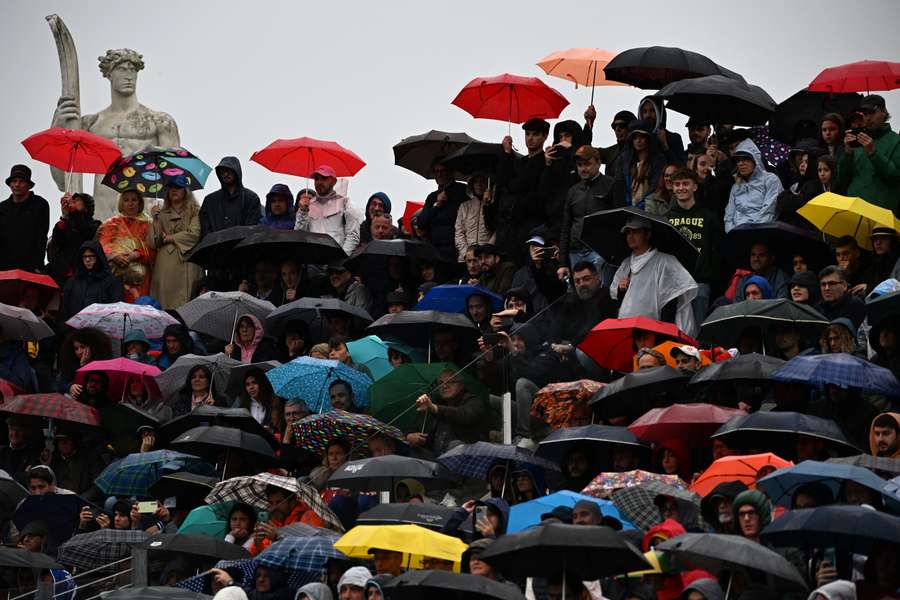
{"x": 68, "y": 108}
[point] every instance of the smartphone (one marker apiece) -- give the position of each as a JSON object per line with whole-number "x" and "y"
{"x": 830, "y": 556}
{"x": 480, "y": 513}
{"x": 147, "y": 507}
{"x": 491, "y": 339}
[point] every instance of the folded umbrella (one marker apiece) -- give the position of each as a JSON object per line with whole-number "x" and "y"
{"x": 783, "y": 240}
{"x": 213, "y": 442}
{"x": 596, "y": 440}
{"x": 419, "y": 153}
{"x": 99, "y": 548}
{"x": 301, "y": 156}
{"x": 415, "y": 327}
{"x": 149, "y": 170}
{"x": 510, "y": 98}
{"x": 837, "y": 216}
{"x": 781, "y": 485}
{"x": 443, "y": 585}
{"x": 855, "y": 529}
{"x": 638, "y": 503}
{"x": 136, "y": 473}
{"x": 610, "y": 343}
{"x": 808, "y": 108}
{"x": 52, "y": 406}
{"x": 173, "y": 379}
{"x": 382, "y": 473}
{"x": 862, "y": 76}
{"x": 636, "y": 392}
{"x": 452, "y": 298}
{"x": 72, "y": 150}
{"x": 14, "y": 283}
{"x": 654, "y": 67}
{"x": 725, "y": 324}
{"x": 300, "y": 554}
{"x": 214, "y": 250}
{"x": 413, "y": 541}
{"x": 719, "y": 99}
{"x": 371, "y": 352}
{"x": 21, "y": 324}
{"x": 752, "y": 368}
{"x": 778, "y": 431}
{"x": 308, "y": 379}
{"x": 193, "y": 545}
{"x": 119, "y": 318}
{"x": 745, "y": 468}
{"x": 120, "y": 372}
{"x": 475, "y": 460}
{"x": 217, "y": 313}
{"x": 526, "y": 514}
{"x": 25, "y": 559}
{"x": 432, "y": 516}
{"x": 309, "y": 309}
{"x": 842, "y": 369}
{"x": 691, "y": 422}
{"x": 556, "y": 404}
{"x": 277, "y": 245}
{"x": 11, "y": 493}
{"x": 203, "y": 416}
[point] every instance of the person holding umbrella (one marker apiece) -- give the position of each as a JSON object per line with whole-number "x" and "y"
{"x": 24, "y": 221}
{"x": 76, "y": 225}
{"x": 453, "y": 414}
{"x": 753, "y": 196}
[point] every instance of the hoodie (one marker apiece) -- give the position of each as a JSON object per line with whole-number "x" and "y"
{"x": 674, "y": 152}
{"x": 666, "y": 530}
{"x": 761, "y": 282}
{"x": 365, "y": 228}
{"x": 377, "y": 583}
{"x": 258, "y": 350}
{"x": 222, "y": 209}
{"x": 183, "y": 335}
{"x": 98, "y": 285}
{"x": 753, "y": 200}
{"x": 836, "y": 590}
{"x": 561, "y": 175}
{"x": 314, "y": 591}
{"x": 285, "y": 221}
{"x": 334, "y": 215}
{"x": 873, "y": 449}
{"x": 710, "y": 589}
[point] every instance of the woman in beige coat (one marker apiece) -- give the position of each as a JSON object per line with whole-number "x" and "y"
{"x": 175, "y": 230}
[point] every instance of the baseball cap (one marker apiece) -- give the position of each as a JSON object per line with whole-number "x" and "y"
{"x": 324, "y": 171}
{"x": 686, "y": 350}
{"x": 587, "y": 152}
{"x": 636, "y": 222}
{"x": 872, "y": 101}
{"x": 536, "y": 239}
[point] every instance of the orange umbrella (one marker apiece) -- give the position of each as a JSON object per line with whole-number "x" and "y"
{"x": 581, "y": 65}
{"x": 745, "y": 469}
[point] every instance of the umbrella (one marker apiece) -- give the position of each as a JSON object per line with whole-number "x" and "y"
{"x": 309, "y": 309}
{"x": 297, "y": 529}
{"x": 555, "y": 404}
{"x": 99, "y": 548}
{"x": 214, "y": 250}
{"x": 252, "y": 490}
{"x": 25, "y": 559}
{"x": 154, "y": 593}
{"x": 778, "y": 431}
{"x": 605, "y": 484}
{"x": 120, "y": 371}
{"x": 719, "y": 99}
{"x": 433, "y": 516}
{"x": 596, "y": 440}
{"x": 72, "y": 150}
{"x": 21, "y": 324}
{"x": 11, "y": 493}
{"x": 510, "y": 98}
{"x": 411, "y": 208}
{"x": 602, "y": 232}
{"x": 526, "y": 514}
{"x": 149, "y": 170}
{"x": 121, "y": 421}
{"x": 301, "y": 156}
{"x": 837, "y": 216}
{"x": 637, "y": 503}
{"x": 867, "y": 461}
{"x": 371, "y": 352}
{"x": 191, "y": 487}
{"x": 382, "y": 473}
{"x": 783, "y": 240}
{"x": 203, "y": 416}
{"x": 442, "y": 585}
{"x": 610, "y": 343}
{"x": 415, "y": 327}
{"x": 59, "y": 511}
{"x": 413, "y": 541}
{"x": 380, "y": 250}
{"x": 808, "y": 108}
{"x": 781, "y": 485}
{"x": 580, "y": 66}
{"x": 8, "y": 390}
{"x": 300, "y": 554}
{"x": 655, "y": 67}
{"x": 636, "y": 392}
{"x": 393, "y": 397}
{"x": 277, "y": 245}
{"x": 475, "y": 460}
{"x": 842, "y": 369}
{"x": 174, "y": 378}
{"x": 725, "y": 325}
{"x": 882, "y": 307}
{"x": 750, "y": 368}
{"x": 235, "y": 385}
{"x": 52, "y": 406}
{"x": 14, "y": 283}
{"x": 216, "y": 313}
{"x": 134, "y": 474}
{"x": 691, "y": 422}
{"x": 315, "y": 432}
{"x": 212, "y": 442}
{"x": 119, "y": 318}
{"x": 419, "y": 153}
{"x": 209, "y": 520}
{"x": 475, "y": 157}
{"x": 862, "y": 76}
{"x": 744, "y": 468}
{"x": 851, "y": 528}
{"x": 194, "y": 545}
{"x": 583, "y": 551}
{"x": 309, "y": 379}
{"x": 451, "y": 298}
{"x": 716, "y": 552}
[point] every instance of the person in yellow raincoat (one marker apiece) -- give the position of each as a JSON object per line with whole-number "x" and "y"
{"x": 122, "y": 238}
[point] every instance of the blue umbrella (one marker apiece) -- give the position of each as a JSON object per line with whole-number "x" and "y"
{"x": 300, "y": 554}
{"x": 373, "y": 353}
{"x": 529, "y": 513}
{"x": 781, "y": 485}
{"x": 453, "y": 298}
{"x": 196, "y": 167}
{"x": 841, "y": 369}
{"x": 475, "y": 460}
{"x": 307, "y": 379}
{"x": 850, "y": 528}
{"x": 134, "y": 474}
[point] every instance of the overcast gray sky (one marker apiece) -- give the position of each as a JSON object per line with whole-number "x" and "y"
{"x": 236, "y": 74}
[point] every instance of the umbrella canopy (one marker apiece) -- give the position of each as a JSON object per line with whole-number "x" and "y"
{"x": 691, "y": 422}
{"x": 134, "y": 474}
{"x": 778, "y": 431}
{"x": 602, "y": 232}
{"x": 315, "y": 432}
{"x": 8, "y": 389}
{"x": 862, "y": 76}
{"x": 212, "y": 441}
{"x": 654, "y": 67}
{"x": 191, "y": 487}
{"x": 596, "y": 440}
{"x": 99, "y": 548}
{"x": 837, "y": 216}
{"x": 154, "y": 593}
{"x": 11, "y": 493}
{"x": 636, "y": 392}
{"x": 309, "y": 309}
{"x": 442, "y": 585}
{"x": 381, "y": 250}
{"x": 475, "y": 460}
{"x": 72, "y": 150}
{"x": 781, "y": 485}
{"x": 121, "y": 422}
{"x": 882, "y": 464}
{"x": 25, "y": 559}
{"x": 583, "y": 551}
{"x": 719, "y": 99}
{"x": 432, "y": 516}
{"x": 783, "y": 240}
{"x": 14, "y": 283}
{"x": 850, "y": 528}
{"x": 411, "y": 208}
{"x": 807, "y": 108}
{"x": 526, "y": 514}
{"x": 725, "y": 325}
{"x": 277, "y": 245}
{"x": 882, "y": 307}
{"x": 580, "y": 66}
{"x": 59, "y": 511}
{"x": 309, "y": 379}
{"x": 204, "y": 416}
{"x": 510, "y": 98}
{"x": 371, "y": 352}
{"x": 217, "y": 313}
{"x": 174, "y": 378}
{"x": 301, "y": 156}
{"x": 638, "y": 503}
{"x": 476, "y": 157}
{"x": 556, "y": 404}
{"x": 148, "y": 171}
{"x": 52, "y": 406}
{"x": 303, "y": 530}
{"x": 194, "y": 545}
{"x": 752, "y": 368}
{"x": 214, "y": 250}
{"x": 415, "y": 327}
{"x": 118, "y": 319}
{"x": 22, "y": 324}
{"x": 605, "y": 484}
{"x": 308, "y": 554}
{"x": 120, "y": 372}
{"x": 744, "y": 468}
{"x": 842, "y": 369}
{"x": 716, "y": 552}
{"x": 413, "y": 541}
{"x": 209, "y": 520}
{"x": 419, "y": 153}
{"x": 610, "y": 343}
{"x": 451, "y": 298}
{"x": 382, "y": 473}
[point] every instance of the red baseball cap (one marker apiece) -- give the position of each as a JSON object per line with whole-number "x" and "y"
{"x": 324, "y": 171}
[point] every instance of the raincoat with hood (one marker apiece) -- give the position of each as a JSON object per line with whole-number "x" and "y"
{"x": 72, "y": 230}
{"x": 223, "y": 209}
{"x": 873, "y": 447}
{"x": 258, "y": 350}
{"x": 288, "y": 219}
{"x": 332, "y": 214}
{"x": 470, "y": 225}
{"x": 674, "y": 146}
{"x": 98, "y": 285}
{"x": 753, "y": 200}
{"x": 181, "y": 333}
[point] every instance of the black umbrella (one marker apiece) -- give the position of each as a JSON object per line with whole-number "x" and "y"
{"x": 25, "y": 559}
{"x": 808, "y": 108}
{"x": 587, "y": 552}
{"x": 154, "y": 593}
{"x": 61, "y": 513}
{"x": 776, "y": 432}
{"x": 719, "y": 99}
{"x": 235, "y": 385}
{"x": 194, "y": 545}
{"x": 717, "y": 552}
{"x": 11, "y": 493}
{"x": 382, "y": 473}
{"x": 654, "y": 67}
{"x": 121, "y": 422}
{"x": 850, "y": 528}
{"x": 213, "y": 441}
{"x": 278, "y": 245}
{"x": 750, "y": 368}
{"x": 476, "y": 157}
{"x": 725, "y": 325}
{"x": 214, "y": 250}
{"x": 596, "y": 439}
{"x": 783, "y": 240}
{"x": 603, "y": 232}
{"x": 415, "y": 327}
{"x": 880, "y": 464}
{"x": 380, "y": 250}
{"x": 432, "y": 516}
{"x": 203, "y": 416}
{"x": 418, "y": 153}
{"x": 882, "y": 307}
{"x": 188, "y": 486}
{"x": 308, "y": 309}
{"x": 637, "y": 392}
{"x": 442, "y": 585}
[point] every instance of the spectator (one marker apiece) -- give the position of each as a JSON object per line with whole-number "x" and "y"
{"x": 137, "y": 395}
{"x": 352, "y": 583}
{"x": 135, "y": 346}
{"x": 659, "y": 202}
{"x": 24, "y": 221}
{"x": 763, "y": 265}
{"x": 231, "y": 205}
{"x": 756, "y": 288}
{"x": 639, "y": 166}
{"x": 884, "y": 435}
{"x": 699, "y": 131}
{"x": 839, "y": 336}
{"x": 24, "y": 448}
{"x": 560, "y": 173}
{"x": 609, "y": 155}
{"x": 344, "y": 286}
{"x": 76, "y": 468}
{"x": 438, "y": 216}
{"x": 804, "y": 288}
{"x": 886, "y": 250}
{"x": 249, "y": 344}
{"x": 752, "y": 512}
{"x": 651, "y": 110}
{"x": 717, "y": 506}
{"x": 123, "y": 238}
{"x": 817, "y": 179}
{"x": 76, "y": 225}
{"x": 265, "y": 282}
{"x": 280, "y": 211}
{"x": 329, "y": 212}
{"x": 378, "y": 204}
{"x": 293, "y": 342}
{"x": 831, "y": 135}
{"x": 340, "y": 393}
{"x": 283, "y": 508}
{"x": 454, "y": 413}
{"x": 705, "y": 589}
{"x": 336, "y": 454}
{"x": 496, "y": 273}
{"x": 93, "y": 283}
{"x": 241, "y": 523}
{"x": 14, "y": 365}
{"x": 197, "y": 391}
{"x": 648, "y": 358}
{"x": 755, "y": 190}
{"x": 387, "y": 562}
{"x": 259, "y": 400}
{"x": 540, "y": 264}
{"x": 470, "y": 228}
{"x": 686, "y": 358}
{"x": 382, "y": 229}
{"x": 836, "y": 301}
{"x": 176, "y": 343}
{"x": 848, "y": 256}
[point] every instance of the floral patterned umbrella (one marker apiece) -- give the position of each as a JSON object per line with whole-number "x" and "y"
{"x": 605, "y": 484}
{"x": 555, "y": 403}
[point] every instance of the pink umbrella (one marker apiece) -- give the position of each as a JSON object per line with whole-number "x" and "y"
{"x": 120, "y": 371}
{"x": 691, "y": 422}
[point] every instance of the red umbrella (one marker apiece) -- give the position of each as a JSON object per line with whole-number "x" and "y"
{"x": 120, "y": 371}
{"x": 411, "y": 207}
{"x": 300, "y": 156}
{"x": 691, "y": 422}
{"x": 9, "y": 389}
{"x": 53, "y": 406}
{"x": 863, "y": 76}
{"x": 510, "y": 98}
{"x": 611, "y": 342}
{"x": 72, "y": 150}
{"x": 14, "y": 283}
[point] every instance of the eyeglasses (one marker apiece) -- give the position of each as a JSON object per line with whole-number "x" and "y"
{"x": 746, "y": 514}
{"x": 830, "y": 284}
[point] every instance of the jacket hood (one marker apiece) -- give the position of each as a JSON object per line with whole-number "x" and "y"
{"x": 757, "y": 500}
{"x": 377, "y": 583}
{"x": 102, "y": 266}
{"x": 232, "y": 592}
{"x": 660, "y": 121}
{"x": 710, "y": 589}
{"x": 748, "y": 147}
{"x": 358, "y": 576}
{"x": 873, "y": 449}
{"x": 836, "y": 590}
{"x": 181, "y": 333}
{"x": 572, "y": 128}
{"x": 536, "y": 474}
{"x": 667, "y": 530}
{"x": 280, "y": 189}
{"x": 315, "y": 591}
{"x": 384, "y": 200}
{"x": 258, "y": 332}
{"x": 727, "y": 490}
{"x": 761, "y": 283}
{"x": 231, "y": 162}
{"x": 502, "y": 507}
{"x": 682, "y": 452}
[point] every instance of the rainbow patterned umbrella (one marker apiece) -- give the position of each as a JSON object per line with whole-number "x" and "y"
{"x": 315, "y": 432}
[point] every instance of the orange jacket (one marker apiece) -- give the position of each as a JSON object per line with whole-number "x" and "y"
{"x": 300, "y": 514}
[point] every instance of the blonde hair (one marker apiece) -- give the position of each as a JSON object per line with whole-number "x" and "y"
{"x": 140, "y": 196}
{"x": 190, "y": 202}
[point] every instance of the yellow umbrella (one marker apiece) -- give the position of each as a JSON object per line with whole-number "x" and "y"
{"x": 413, "y": 541}
{"x": 837, "y": 216}
{"x": 580, "y": 65}
{"x": 657, "y": 566}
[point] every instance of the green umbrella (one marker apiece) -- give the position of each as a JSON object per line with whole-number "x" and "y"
{"x": 392, "y": 397}
{"x": 211, "y": 520}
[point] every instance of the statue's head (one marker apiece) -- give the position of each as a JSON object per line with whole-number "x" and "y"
{"x": 120, "y": 67}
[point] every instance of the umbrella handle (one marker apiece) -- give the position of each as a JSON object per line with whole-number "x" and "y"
{"x": 234, "y": 324}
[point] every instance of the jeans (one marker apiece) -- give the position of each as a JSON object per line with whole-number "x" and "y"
{"x": 525, "y": 391}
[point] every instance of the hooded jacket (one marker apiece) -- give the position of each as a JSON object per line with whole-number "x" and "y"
{"x": 315, "y": 591}
{"x": 710, "y": 589}
{"x": 454, "y": 523}
{"x": 727, "y": 490}
{"x": 873, "y": 449}
{"x": 98, "y": 285}
{"x": 222, "y": 209}
{"x": 165, "y": 360}
{"x": 333, "y": 215}
{"x": 67, "y": 237}
{"x": 285, "y": 221}
{"x": 258, "y": 350}
{"x": 675, "y": 152}
{"x": 518, "y": 207}
{"x": 583, "y": 198}
{"x": 666, "y": 530}
{"x": 561, "y": 175}
{"x": 365, "y": 228}
{"x": 836, "y": 590}
{"x": 440, "y": 221}
{"x": 470, "y": 224}
{"x": 875, "y": 178}
{"x": 754, "y": 200}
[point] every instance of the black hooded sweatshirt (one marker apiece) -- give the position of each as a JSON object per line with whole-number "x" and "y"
{"x": 66, "y": 239}
{"x": 98, "y": 285}
{"x": 561, "y": 174}
{"x": 222, "y": 209}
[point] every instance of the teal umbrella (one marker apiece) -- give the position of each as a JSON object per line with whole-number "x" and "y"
{"x": 195, "y": 166}
{"x": 373, "y": 353}
{"x": 211, "y": 520}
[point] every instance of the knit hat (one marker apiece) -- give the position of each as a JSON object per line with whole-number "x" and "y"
{"x": 758, "y": 501}
{"x": 22, "y": 172}
{"x": 539, "y": 125}
{"x": 355, "y": 576}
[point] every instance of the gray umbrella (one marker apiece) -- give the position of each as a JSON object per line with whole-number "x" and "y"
{"x": 216, "y": 313}
{"x": 174, "y": 378}
{"x": 21, "y": 324}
